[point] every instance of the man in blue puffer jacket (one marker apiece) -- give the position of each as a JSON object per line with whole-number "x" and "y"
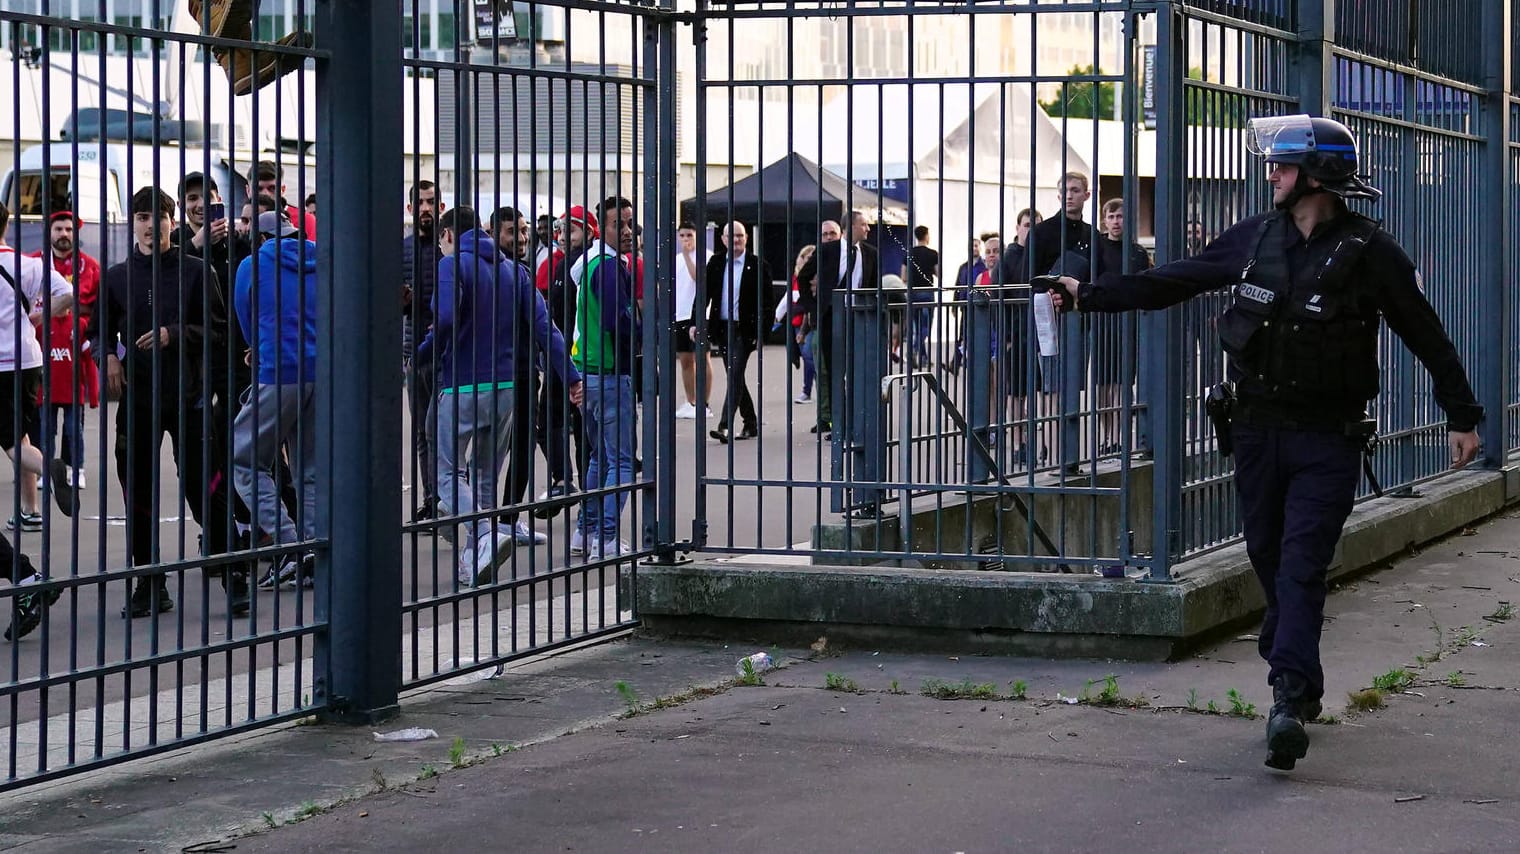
{"x": 275, "y": 297}
{"x": 480, "y": 302}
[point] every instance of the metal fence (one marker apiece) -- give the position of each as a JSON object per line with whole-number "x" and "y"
{"x": 899, "y": 403}
{"x": 130, "y": 620}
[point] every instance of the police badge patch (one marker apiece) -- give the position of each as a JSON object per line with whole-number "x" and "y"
{"x": 1419, "y": 281}
{"x": 1255, "y": 293}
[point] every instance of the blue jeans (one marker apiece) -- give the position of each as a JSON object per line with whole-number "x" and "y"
{"x": 611, "y": 431}
{"x": 809, "y": 371}
{"x": 73, "y": 432}
{"x": 923, "y": 317}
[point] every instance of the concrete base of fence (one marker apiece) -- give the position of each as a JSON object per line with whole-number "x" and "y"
{"x": 987, "y": 527}
{"x": 1025, "y": 613}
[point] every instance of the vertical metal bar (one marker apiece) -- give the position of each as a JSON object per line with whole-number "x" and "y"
{"x": 1492, "y": 374}
{"x": 1166, "y": 326}
{"x": 659, "y": 181}
{"x": 357, "y": 674}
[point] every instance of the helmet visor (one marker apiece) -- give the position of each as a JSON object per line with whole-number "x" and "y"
{"x": 1277, "y": 135}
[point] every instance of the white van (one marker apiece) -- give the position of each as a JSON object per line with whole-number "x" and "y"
{"x": 96, "y": 180}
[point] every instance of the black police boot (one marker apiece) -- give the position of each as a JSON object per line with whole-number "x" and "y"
{"x": 1287, "y": 740}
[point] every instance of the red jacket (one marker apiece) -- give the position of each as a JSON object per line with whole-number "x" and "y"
{"x": 62, "y": 349}
{"x": 305, "y": 222}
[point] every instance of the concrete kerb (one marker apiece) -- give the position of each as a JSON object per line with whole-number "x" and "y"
{"x": 1025, "y": 613}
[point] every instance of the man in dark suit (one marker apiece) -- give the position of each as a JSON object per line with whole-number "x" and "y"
{"x": 736, "y": 282}
{"x": 846, "y": 264}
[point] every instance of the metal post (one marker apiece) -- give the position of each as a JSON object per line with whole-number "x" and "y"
{"x": 1165, "y": 327}
{"x": 358, "y": 660}
{"x": 464, "y": 116}
{"x": 1314, "y": 62}
{"x": 1493, "y": 374}
{"x": 867, "y": 425}
{"x": 660, "y": 212}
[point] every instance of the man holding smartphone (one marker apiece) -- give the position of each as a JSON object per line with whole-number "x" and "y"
{"x": 208, "y": 240}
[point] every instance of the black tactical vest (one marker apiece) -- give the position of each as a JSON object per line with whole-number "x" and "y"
{"x": 1308, "y": 336}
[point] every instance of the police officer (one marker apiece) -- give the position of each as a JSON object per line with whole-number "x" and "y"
{"x": 1310, "y": 282}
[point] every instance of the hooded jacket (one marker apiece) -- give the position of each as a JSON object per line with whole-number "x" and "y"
{"x": 275, "y": 297}
{"x": 481, "y": 301}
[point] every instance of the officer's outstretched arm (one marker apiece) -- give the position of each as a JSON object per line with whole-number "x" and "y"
{"x": 1218, "y": 266}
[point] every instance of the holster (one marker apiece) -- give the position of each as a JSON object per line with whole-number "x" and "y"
{"x": 1365, "y": 432}
{"x": 1220, "y": 405}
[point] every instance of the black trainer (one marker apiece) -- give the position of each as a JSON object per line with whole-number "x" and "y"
{"x": 1287, "y": 740}
{"x": 149, "y": 592}
{"x": 237, "y": 592}
{"x": 28, "y": 608}
{"x": 553, "y": 500}
{"x": 63, "y": 492}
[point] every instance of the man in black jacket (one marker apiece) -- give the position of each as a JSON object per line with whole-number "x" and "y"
{"x": 419, "y": 274}
{"x": 157, "y": 305}
{"x": 735, "y": 303}
{"x": 832, "y": 267}
{"x": 202, "y": 235}
{"x": 1049, "y": 240}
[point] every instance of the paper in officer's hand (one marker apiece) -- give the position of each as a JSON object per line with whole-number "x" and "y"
{"x": 1046, "y": 330}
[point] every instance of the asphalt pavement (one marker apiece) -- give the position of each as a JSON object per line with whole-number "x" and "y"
{"x": 854, "y": 750}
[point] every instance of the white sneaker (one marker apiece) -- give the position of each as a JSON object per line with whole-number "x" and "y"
{"x": 802, "y": 398}
{"x": 526, "y": 536}
{"x": 76, "y": 478}
{"x": 489, "y": 559}
{"x": 609, "y": 549}
{"x": 577, "y": 543}
{"x": 687, "y": 412}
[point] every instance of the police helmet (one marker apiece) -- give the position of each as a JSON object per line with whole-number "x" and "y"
{"x": 1321, "y": 148}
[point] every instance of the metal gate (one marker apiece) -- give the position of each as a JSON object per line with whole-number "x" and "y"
{"x": 901, "y": 403}
{"x": 524, "y": 135}
{"x": 937, "y": 428}
{"x": 127, "y": 138}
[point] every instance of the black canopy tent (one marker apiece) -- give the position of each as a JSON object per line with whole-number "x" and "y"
{"x": 783, "y": 206}
{"x": 794, "y": 189}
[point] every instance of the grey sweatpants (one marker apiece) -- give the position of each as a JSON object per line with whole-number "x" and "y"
{"x": 275, "y": 416}
{"x": 477, "y": 423}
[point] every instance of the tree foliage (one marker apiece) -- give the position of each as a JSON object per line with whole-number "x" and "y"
{"x": 1083, "y": 99}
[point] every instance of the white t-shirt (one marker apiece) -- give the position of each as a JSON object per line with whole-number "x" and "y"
{"x": 686, "y": 284}
{"x": 29, "y": 278}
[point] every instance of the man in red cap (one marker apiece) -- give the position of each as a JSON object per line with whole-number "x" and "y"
{"x": 72, "y": 377}
{"x": 559, "y": 421}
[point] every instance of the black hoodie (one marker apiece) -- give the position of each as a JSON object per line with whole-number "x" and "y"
{"x": 173, "y": 285}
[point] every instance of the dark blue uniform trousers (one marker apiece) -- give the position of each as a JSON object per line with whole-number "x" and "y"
{"x": 1296, "y": 489}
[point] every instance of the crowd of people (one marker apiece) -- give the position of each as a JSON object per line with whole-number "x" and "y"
{"x": 1065, "y": 244}
{"x": 519, "y": 336}
{"x": 234, "y": 393}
